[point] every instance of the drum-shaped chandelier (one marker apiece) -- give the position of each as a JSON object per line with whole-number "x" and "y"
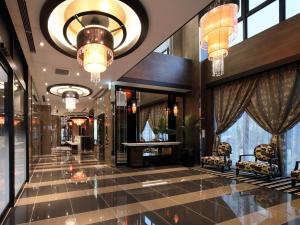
{"x": 218, "y": 28}
{"x": 95, "y": 32}
{"x": 95, "y": 50}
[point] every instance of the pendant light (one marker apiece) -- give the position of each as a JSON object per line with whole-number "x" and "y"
{"x": 175, "y": 110}
{"x": 78, "y": 120}
{"x": 219, "y": 27}
{"x": 95, "y": 50}
{"x": 70, "y": 98}
{"x": 134, "y": 107}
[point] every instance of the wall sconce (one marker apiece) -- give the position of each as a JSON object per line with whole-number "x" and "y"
{"x": 175, "y": 110}
{"x": 133, "y": 107}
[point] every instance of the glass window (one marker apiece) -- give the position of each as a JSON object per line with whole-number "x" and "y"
{"x": 254, "y": 3}
{"x": 292, "y": 8}
{"x": 20, "y": 137}
{"x": 263, "y": 19}
{"x": 4, "y": 149}
{"x": 147, "y": 134}
{"x": 240, "y": 9}
{"x": 239, "y": 37}
{"x": 292, "y": 147}
{"x": 244, "y": 136}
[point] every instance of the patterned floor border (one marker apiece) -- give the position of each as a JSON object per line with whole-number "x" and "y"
{"x": 278, "y": 183}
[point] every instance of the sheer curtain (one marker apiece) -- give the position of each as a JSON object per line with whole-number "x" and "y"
{"x": 143, "y": 118}
{"x": 244, "y": 135}
{"x": 292, "y": 153}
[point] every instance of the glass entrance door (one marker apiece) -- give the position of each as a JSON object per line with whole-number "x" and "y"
{"x": 4, "y": 143}
{"x": 20, "y": 136}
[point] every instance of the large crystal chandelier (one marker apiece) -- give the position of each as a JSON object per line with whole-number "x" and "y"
{"x": 70, "y": 98}
{"x": 95, "y": 50}
{"x": 219, "y": 27}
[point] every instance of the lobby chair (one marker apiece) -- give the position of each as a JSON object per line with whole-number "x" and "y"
{"x": 265, "y": 162}
{"x": 295, "y": 174}
{"x": 219, "y": 158}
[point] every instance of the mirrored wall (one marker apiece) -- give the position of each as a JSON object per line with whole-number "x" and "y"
{"x": 20, "y": 135}
{"x": 146, "y": 116}
{"x": 4, "y": 145}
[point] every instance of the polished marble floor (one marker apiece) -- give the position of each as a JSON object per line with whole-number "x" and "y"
{"x": 76, "y": 190}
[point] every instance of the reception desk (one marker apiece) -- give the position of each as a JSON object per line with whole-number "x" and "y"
{"x": 157, "y": 152}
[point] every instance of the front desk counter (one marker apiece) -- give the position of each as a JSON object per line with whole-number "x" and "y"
{"x": 143, "y": 153}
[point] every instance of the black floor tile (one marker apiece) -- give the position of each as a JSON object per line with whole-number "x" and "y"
{"x": 181, "y": 215}
{"x": 118, "y": 198}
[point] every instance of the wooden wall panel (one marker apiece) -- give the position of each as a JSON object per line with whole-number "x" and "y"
{"x": 162, "y": 70}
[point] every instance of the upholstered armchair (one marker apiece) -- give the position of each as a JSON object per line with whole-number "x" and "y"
{"x": 219, "y": 158}
{"x": 265, "y": 161}
{"x": 295, "y": 174}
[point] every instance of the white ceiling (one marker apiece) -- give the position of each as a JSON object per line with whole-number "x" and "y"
{"x": 165, "y": 17}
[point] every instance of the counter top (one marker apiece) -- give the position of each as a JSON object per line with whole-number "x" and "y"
{"x": 149, "y": 144}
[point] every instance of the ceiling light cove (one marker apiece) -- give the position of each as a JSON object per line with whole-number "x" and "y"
{"x": 70, "y": 93}
{"x": 96, "y": 31}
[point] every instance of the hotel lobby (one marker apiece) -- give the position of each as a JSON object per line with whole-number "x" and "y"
{"x": 122, "y": 112}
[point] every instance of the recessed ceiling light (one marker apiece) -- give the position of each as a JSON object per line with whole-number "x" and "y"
{"x": 47, "y": 93}
{"x": 100, "y": 87}
{"x": 44, "y": 69}
{"x": 42, "y": 44}
{"x": 46, "y": 84}
{"x": 77, "y": 74}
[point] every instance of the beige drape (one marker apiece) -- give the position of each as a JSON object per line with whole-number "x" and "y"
{"x": 275, "y": 103}
{"x": 230, "y": 101}
{"x": 156, "y": 113}
{"x": 143, "y": 117}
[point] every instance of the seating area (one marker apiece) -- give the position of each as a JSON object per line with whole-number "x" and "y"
{"x": 265, "y": 161}
{"x": 295, "y": 174}
{"x": 219, "y": 158}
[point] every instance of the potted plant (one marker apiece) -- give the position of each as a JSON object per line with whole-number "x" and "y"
{"x": 161, "y": 129}
{"x": 190, "y": 128}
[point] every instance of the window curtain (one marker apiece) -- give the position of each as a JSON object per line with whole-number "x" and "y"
{"x": 143, "y": 117}
{"x": 230, "y": 101}
{"x": 156, "y": 113}
{"x": 275, "y": 104}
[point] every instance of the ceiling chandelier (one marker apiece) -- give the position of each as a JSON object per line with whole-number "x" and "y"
{"x": 218, "y": 28}
{"x": 95, "y": 50}
{"x": 78, "y": 120}
{"x": 70, "y": 98}
{"x": 95, "y": 32}
{"x": 70, "y": 93}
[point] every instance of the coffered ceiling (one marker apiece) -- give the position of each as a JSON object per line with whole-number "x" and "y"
{"x": 165, "y": 17}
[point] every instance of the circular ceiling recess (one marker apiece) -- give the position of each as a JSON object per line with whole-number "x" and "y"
{"x": 62, "y": 20}
{"x": 59, "y": 89}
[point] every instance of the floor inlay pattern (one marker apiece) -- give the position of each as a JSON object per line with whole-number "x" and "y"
{"x": 85, "y": 191}
{"x": 278, "y": 183}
